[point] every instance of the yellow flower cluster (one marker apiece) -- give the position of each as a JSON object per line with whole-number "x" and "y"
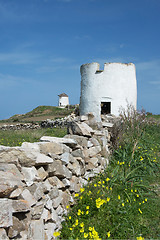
{"x": 92, "y": 234}
{"x": 80, "y": 212}
{"x": 100, "y": 202}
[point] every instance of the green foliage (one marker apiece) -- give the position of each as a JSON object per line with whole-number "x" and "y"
{"x": 123, "y": 202}
{"x": 15, "y": 138}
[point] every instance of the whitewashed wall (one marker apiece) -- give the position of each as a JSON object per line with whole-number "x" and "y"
{"x": 116, "y": 84}
{"x": 63, "y": 101}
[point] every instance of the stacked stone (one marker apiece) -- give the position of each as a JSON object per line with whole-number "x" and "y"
{"x": 38, "y": 180}
{"x": 60, "y": 122}
{"x": 20, "y": 126}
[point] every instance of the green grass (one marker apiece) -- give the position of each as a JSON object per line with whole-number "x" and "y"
{"x": 41, "y": 111}
{"x": 124, "y": 202}
{"x": 16, "y": 138}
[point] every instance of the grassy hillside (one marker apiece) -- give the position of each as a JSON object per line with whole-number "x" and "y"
{"x": 41, "y": 113}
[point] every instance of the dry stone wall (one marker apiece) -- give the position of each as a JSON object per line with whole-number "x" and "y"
{"x": 20, "y": 126}
{"x": 38, "y": 180}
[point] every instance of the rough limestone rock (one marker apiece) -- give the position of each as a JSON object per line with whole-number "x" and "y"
{"x": 69, "y": 142}
{"x": 42, "y": 174}
{"x": 16, "y": 192}
{"x": 37, "y": 229}
{"x": 78, "y": 153}
{"x": 3, "y": 234}
{"x": 67, "y": 158}
{"x": 30, "y": 175}
{"x": 28, "y": 197}
{"x": 54, "y": 181}
{"x": 82, "y": 141}
{"x": 20, "y": 206}
{"x": 81, "y": 129}
{"x": 16, "y": 228}
{"x": 51, "y": 147}
{"x": 11, "y": 155}
{"x": 75, "y": 168}
{"x": 37, "y": 190}
{"x": 8, "y": 182}
{"x": 6, "y": 213}
{"x": 93, "y": 151}
{"x": 59, "y": 170}
{"x": 36, "y": 212}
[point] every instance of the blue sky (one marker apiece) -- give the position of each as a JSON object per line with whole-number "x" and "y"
{"x": 44, "y": 42}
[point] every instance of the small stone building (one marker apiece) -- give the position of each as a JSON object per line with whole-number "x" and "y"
{"x": 106, "y": 91}
{"x": 63, "y": 100}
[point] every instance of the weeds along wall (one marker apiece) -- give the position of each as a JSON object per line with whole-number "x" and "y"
{"x": 116, "y": 86}
{"x": 39, "y": 180}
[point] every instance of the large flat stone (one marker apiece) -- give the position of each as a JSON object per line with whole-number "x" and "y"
{"x": 82, "y": 141}
{"x": 20, "y": 206}
{"x": 81, "y": 129}
{"x": 69, "y": 142}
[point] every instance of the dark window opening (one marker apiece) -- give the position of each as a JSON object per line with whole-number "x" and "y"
{"x": 105, "y": 107}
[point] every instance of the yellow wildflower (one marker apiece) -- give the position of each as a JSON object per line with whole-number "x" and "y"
{"x": 56, "y": 234}
{"x": 119, "y": 197}
{"x": 140, "y": 238}
{"x": 85, "y": 235}
{"x": 140, "y": 211}
{"x": 76, "y": 195}
{"x": 69, "y": 217}
{"x": 108, "y": 234}
{"x": 107, "y": 179}
{"x": 82, "y": 230}
{"x": 82, "y": 224}
{"x": 79, "y": 212}
{"x": 82, "y": 190}
{"x": 122, "y": 204}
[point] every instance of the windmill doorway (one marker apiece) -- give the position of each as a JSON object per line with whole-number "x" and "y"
{"x": 105, "y": 107}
